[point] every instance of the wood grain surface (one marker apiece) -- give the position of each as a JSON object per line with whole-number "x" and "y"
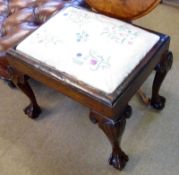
{"x": 124, "y": 9}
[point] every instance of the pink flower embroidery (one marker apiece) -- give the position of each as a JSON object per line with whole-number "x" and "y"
{"x": 93, "y": 62}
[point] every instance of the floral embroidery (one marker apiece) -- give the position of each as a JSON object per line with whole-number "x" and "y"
{"x": 93, "y": 60}
{"x": 77, "y": 18}
{"x": 79, "y": 59}
{"x": 97, "y": 61}
{"x": 82, "y": 36}
{"x": 46, "y": 40}
{"x": 65, "y": 14}
{"x": 120, "y": 34}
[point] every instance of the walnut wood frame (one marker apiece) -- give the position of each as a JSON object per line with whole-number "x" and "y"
{"x": 110, "y": 111}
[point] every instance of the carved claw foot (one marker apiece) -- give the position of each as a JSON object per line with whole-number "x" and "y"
{"x": 10, "y": 84}
{"x": 113, "y": 128}
{"x": 21, "y": 81}
{"x": 128, "y": 112}
{"x": 32, "y": 111}
{"x": 118, "y": 159}
{"x": 158, "y": 103}
{"x": 92, "y": 117}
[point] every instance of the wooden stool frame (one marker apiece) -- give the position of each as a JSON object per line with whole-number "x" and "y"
{"x": 110, "y": 111}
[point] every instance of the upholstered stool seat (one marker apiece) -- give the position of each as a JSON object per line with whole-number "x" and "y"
{"x": 94, "y": 49}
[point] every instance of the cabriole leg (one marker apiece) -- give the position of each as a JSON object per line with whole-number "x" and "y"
{"x": 114, "y": 131}
{"x": 157, "y": 101}
{"x": 32, "y": 110}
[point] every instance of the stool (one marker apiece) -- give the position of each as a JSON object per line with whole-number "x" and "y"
{"x": 98, "y": 61}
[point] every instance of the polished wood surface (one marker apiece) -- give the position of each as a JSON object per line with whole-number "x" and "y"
{"x": 124, "y": 9}
{"x": 3, "y": 68}
{"x": 157, "y": 101}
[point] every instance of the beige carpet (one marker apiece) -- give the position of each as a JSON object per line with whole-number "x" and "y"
{"x": 64, "y": 142}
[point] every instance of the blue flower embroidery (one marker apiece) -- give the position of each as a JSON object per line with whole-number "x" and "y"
{"x": 82, "y": 36}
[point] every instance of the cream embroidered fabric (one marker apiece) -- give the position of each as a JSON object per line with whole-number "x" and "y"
{"x": 95, "y": 49}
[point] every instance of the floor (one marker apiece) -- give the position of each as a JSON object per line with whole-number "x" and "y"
{"x": 64, "y": 142}
{"x": 171, "y": 2}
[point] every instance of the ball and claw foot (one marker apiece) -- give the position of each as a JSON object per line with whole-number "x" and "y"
{"x": 8, "y": 82}
{"x": 128, "y": 112}
{"x": 93, "y": 119}
{"x": 32, "y": 111}
{"x": 11, "y": 84}
{"x": 118, "y": 159}
{"x": 158, "y": 103}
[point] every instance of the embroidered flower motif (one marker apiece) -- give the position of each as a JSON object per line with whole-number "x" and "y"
{"x": 46, "y": 40}
{"x": 97, "y": 61}
{"x": 82, "y": 36}
{"x": 79, "y": 59}
{"x": 120, "y": 34}
{"x": 65, "y": 14}
{"x": 93, "y": 61}
{"x": 77, "y": 18}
